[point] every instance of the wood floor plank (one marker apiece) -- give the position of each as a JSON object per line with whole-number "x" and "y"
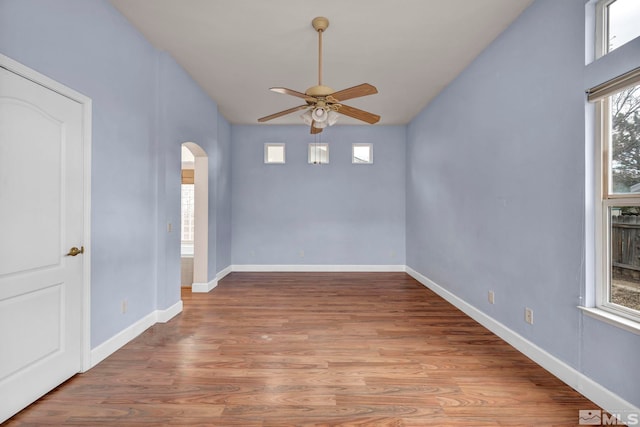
{"x": 313, "y": 349}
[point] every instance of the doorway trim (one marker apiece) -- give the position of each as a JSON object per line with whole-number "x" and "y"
{"x": 201, "y": 218}
{"x": 86, "y": 103}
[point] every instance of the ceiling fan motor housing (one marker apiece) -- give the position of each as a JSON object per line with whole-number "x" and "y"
{"x": 319, "y": 91}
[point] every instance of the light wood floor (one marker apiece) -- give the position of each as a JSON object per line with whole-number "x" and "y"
{"x": 323, "y": 349}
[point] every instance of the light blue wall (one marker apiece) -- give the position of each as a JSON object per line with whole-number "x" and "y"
{"x": 338, "y": 213}
{"x": 144, "y": 107}
{"x": 223, "y": 196}
{"x": 186, "y": 114}
{"x": 493, "y": 175}
{"x": 496, "y": 191}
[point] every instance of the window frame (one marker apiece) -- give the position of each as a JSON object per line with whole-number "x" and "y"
{"x": 268, "y": 145}
{"x": 314, "y": 146}
{"x": 361, "y": 144}
{"x": 602, "y": 28}
{"x": 605, "y": 199}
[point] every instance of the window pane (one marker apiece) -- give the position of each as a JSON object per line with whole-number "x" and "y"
{"x": 187, "y": 219}
{"x": 274, "y": 153}
{"x": 319, "y": 153}
{"x": 624, "y": 16}
{"x": 362, "y": 153}
{"x": 625, "y": 256}
{"x": 624, "y": 163}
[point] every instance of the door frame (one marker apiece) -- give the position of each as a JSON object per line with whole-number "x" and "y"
{"x": 30, "y": 74}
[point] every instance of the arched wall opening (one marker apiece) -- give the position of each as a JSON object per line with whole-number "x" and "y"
{"x": 196, "y": 228}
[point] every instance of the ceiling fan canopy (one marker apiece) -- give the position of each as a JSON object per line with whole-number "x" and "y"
{"x": 323, "y": 104}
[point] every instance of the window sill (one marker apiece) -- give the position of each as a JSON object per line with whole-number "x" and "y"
{"x": 612, "y": 319}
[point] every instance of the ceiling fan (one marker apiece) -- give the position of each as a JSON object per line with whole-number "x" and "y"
{"x": 322, "y": 103}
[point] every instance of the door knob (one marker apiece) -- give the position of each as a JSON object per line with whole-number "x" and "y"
{"x": 75, "y": 251}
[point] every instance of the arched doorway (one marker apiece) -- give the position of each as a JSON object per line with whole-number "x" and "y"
{"x": 194, "y": 227}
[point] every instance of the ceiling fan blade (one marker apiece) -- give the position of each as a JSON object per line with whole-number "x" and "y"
{"x": 358, "y": 114}
{"x": 315, "y": 130}
{"x": 295, "y": 93}
{"x": 283, "y": 113}
{"x": 354, "y": 92}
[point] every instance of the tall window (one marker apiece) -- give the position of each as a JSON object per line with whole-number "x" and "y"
{"x": 619, "y": 111}
{"x": 187, "y": 229}
{"x": 187, "y": 222}
{"x": 617, "y": 24}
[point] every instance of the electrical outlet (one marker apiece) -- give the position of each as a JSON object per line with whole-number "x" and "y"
{"x": 123, "y": 306}
{"x": 169, "y": 227}
{"x": 528, "y": 315}
{"x": 301, "y": 253}
{"x": 492, "y": 297}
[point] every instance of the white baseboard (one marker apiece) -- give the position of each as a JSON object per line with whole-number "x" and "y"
{"x": 223, "y": 273}
{"x": 603, "y": 397}
{"x": 163, "y": 316}
{"x": 204, "y": 287}
{"x": 207, "y": 287}
{"x": 316, "y": 268}
{"x": 110, "y": 346}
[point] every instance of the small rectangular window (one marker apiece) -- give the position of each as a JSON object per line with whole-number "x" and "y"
{"x": 362, "y": 154}
{"x": 319, "y": 153}
{"x": 617, "y": 24}
{"x": 274, "y": 153}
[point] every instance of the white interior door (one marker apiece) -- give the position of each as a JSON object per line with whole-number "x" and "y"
{"x": 41, "y": 218}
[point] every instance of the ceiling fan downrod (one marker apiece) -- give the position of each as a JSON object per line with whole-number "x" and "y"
{"x": 320, "y": 24}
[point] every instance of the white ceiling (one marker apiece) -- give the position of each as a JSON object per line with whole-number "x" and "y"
{"x": 237, "y": 49}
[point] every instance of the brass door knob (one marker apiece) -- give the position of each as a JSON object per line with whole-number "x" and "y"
{"x": 75, "y": 251}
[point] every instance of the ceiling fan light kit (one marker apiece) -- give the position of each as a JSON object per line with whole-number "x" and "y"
{"x": 319, "y": 114}
{"x": 323, "y": 104}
